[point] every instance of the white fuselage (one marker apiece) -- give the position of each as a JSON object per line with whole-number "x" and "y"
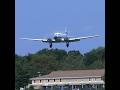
{"x": 60, "y": 35}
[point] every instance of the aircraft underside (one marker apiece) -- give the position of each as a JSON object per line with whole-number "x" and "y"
{"x": 67, "y": 43}
{"x": 50, "y": 44}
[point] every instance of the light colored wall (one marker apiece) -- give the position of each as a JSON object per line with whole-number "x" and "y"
{"x": 74, "y": 80}
{"x": 37, "y": 81}
{"x": 44, "y": 81}
{"x": 66, "y": 80}
{"x": 52, "y": 80}
{"x": 57, "y": 80}
{"x": 97, "y": 79}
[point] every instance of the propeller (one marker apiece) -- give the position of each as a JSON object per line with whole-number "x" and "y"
{"x": 49, "y": 40}
{"x": 66, "y": 39}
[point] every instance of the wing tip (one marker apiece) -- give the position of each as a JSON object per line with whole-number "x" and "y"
{"x": 97, "y": 35}
{"x": 23, "y": 38}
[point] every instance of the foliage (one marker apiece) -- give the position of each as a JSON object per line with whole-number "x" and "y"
{"x": 31, "y": 88}
{"x": 94, "y": 55}
{"x": 46, "y": 61}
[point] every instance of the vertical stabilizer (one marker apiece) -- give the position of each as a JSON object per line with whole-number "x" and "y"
{"x": 66, "y": 31}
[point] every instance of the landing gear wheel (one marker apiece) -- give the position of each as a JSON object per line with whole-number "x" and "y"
{"x": 50, "y": 45}
{"x": 67, "y": 44}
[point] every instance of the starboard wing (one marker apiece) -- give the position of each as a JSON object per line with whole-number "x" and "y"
{"x": 79, "y": 38}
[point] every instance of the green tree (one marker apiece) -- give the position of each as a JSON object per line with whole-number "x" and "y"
{"x": 93, "y": 55}
{"x": 31, "y": 88}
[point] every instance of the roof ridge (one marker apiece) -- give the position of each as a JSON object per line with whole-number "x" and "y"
{"x": 78, "y": 70}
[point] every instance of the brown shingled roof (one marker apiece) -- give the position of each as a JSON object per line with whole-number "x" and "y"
{"x": 74, "y": 73}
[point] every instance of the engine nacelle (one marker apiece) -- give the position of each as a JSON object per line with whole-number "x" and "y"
{"x": 49, "y": 40}
{"x": 66, "y": 39}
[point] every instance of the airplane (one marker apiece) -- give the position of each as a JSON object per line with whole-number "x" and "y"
{"x": 60, "y": 38}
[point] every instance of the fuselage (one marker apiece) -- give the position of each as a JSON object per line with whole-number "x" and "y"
{"x": 60, "y": 37}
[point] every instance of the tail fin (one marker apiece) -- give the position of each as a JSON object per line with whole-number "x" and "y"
{"x": 66, "y": 32}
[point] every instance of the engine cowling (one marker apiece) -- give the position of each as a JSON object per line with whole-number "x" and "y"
{"x": 66, "y": 39}
{"x": 49, "y": 40}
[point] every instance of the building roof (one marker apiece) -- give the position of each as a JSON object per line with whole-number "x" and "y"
{"x": 72, "y": 74}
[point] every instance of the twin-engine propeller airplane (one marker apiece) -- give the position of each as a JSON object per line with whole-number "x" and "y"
{"x": 60, "y": 38}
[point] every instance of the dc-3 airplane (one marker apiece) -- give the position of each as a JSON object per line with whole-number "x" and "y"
{"x": 60, "y": 38}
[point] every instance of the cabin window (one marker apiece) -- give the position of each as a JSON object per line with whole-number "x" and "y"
{"x": 40, "y": 81}
{"x": 54, "y": 80}
{"x": 48, "y": 80}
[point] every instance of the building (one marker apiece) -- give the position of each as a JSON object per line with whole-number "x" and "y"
{"x": 72, "y": 79}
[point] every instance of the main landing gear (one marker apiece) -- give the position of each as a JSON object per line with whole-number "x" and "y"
{"x": 50, "y": 45}
{"x": 67, "y": 44}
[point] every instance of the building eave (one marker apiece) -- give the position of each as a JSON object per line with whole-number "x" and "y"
{"x": 40, "y": 78}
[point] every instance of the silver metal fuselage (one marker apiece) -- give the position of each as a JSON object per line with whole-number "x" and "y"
{"x": 61, "y": 39}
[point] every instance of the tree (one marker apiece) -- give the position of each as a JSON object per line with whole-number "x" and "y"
{"x": 93, "y": 55}
{"x": 31, "y": 88}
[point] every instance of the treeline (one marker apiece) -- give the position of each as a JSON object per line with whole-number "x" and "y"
{"x": 46, "y": 61}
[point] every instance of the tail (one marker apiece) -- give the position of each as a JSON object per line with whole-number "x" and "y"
{"x": 66, "y": 32}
